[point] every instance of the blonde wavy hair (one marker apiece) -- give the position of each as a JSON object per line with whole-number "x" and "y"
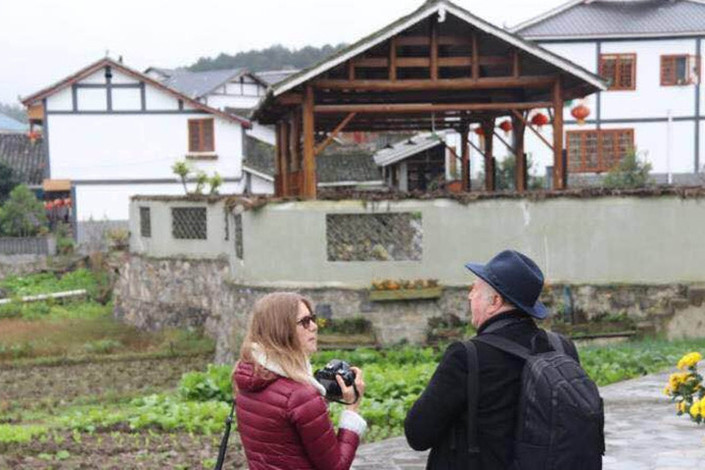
{"x": 272, "y": 331}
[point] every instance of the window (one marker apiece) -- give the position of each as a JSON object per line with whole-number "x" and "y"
{"x": 619, "y": 70}
{"x": 200, "y": 135}
{"x": 189, "y": 223}
{"x": 596, "y": 151}
{"x": 679, "y": 70}
{"x": 145, "y": 222}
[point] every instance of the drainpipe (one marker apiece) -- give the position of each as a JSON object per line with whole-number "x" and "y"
{"x": 669, "y": 131}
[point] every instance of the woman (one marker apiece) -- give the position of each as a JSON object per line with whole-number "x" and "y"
{"x": 282, "y": 416}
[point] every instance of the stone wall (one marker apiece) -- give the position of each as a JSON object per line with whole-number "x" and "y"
{"x": 156, "y": 293}
{"x": 20, "y": 265}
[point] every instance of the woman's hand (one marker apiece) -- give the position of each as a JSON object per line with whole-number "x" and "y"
{"x": 349, "y": 392}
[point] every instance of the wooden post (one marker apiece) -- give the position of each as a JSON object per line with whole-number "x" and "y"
{"x": 558, "y": 166}
{"x": 295, "y": 141}
{"x": 434, "y": 47}
{"x": 520, "y": 173}
{"x": 475, "y": 57}
{"x": 393, "y": 58}
{"x": 490, "y": 171}
{"x": 278, "y": 160}
{"x": 309, "y": 163}
{"x": 285, "y": 158}
{"x": 465, "y": 149}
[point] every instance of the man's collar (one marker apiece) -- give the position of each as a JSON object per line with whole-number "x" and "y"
{"x": 510, "y": 314}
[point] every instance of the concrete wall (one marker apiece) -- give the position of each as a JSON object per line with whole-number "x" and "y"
{"x": 654, "y": 240}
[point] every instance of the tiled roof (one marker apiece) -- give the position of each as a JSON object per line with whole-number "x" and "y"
{"x": 8, "y": 124}
{"x": 408, "y": 147}
{"x": 198, "y": 84}
{"x": 26, "y": 158}
{"x": 271, "y": 77}
{"x": 600, "y": 18}
{"x": 333, "y": 166}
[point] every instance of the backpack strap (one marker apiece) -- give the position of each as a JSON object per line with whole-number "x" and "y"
{"x": 505, "y": 345}
{"x": 473, "y": 394}
{"x": 556, "y": 341}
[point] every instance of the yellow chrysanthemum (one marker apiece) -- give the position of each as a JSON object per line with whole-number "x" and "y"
{"x": 695, "y": 410}
{"x": 680, "y": 407}
{"x": 689, "y": 360}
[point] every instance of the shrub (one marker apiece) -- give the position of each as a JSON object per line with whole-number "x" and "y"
{"x": 102, "y": 346}
{"x": 22, "y": 215}
{"x": 629, "y": 173}
{"x": 214, "y": 384}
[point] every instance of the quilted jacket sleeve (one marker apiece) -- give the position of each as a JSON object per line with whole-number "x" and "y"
{"x": 326, "y": 451}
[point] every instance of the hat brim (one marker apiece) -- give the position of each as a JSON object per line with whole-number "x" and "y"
{"x": 538, "y": 310}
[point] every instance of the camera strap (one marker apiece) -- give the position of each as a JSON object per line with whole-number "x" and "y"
{"x": 224, "y": 441}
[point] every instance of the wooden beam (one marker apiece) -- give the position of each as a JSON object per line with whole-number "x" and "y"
{"x": 515, "y": 64}
{"x": 309, "y": 163}
{"x": 559, "y": 174}
{"x": 425, "y": 107}
{"x": 372, "y": 62}
{"x": 465, "y": 150}
{"x": 531, "y": 128}
{"x": 540, "y": 81}
{"x": 295, "y": 141}
{"x": 425, "y": 40}
{"x": 351, "y": 70}
{"x": 434, "y": 48}
{"x": 393, "y": 58}
{"x": 290, "y": 98}
{"x": 475, "y": 57}
{"x": 286, "y": 157}
{"x": 321, "y": 147}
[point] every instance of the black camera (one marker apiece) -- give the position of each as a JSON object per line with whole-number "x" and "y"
{"x": 326, "y": 377}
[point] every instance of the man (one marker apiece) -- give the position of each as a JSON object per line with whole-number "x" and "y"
{"x": 503, "y": 301}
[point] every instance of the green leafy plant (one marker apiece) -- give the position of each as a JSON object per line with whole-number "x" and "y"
{"x": 22, "y": 215}
{"x": 686, "y": 388}
{"x": 215, "y": 182}
{"x": 182, "y": 169}
{"x": 630, "y": 173}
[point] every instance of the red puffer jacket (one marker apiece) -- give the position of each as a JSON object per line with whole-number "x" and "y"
{"x": 284, "y": 425}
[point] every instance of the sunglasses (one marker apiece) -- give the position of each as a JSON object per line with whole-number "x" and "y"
{"x": 306, "y": 321}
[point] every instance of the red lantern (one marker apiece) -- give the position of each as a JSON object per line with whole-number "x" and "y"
{"x": 49, "y": 205}
{"x": 67, "y": 202}
{"x": 58, "y": 202}
{"x": 539, "y": 119}
{"x": 506, "y": 126}
{"x": 479, "y": 131}
{"x": 580, "y": 112}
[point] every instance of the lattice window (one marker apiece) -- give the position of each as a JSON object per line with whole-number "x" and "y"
{"x": 619, "y": 70}
{"x": 595, "y": 151}
{"x": 145, "y": 222}
{"x": 189, "y": 223}
{"x": 374, "y": 237}
{"x": 238, "y": 236}
{"x": 679, "y": 70}
{"x": 200, "y": 135}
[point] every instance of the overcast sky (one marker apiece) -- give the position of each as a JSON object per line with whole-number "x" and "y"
{"x": 42, "y": 41}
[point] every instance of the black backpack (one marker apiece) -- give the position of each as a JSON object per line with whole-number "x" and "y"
{"x": 560, "y": 423}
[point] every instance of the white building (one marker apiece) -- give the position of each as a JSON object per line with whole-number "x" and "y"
{"x": 650, "y": 52}
{"x": 111, "y": 132}
{"x": 234, "y": 91}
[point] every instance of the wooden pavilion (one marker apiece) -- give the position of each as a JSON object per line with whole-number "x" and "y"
{"x": 439, "y": 67}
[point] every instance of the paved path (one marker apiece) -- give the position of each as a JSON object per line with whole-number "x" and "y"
{"x": 642, "y": 433}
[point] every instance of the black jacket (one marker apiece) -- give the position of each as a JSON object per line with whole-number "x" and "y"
{"x": 438, "y": 419}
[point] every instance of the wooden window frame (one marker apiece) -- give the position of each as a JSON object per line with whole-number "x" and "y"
{"x": 201, "y": 147}
{"x": 602, "y": 166}
{"x": 691, "y": 75}
{"x": 617, "y": 85}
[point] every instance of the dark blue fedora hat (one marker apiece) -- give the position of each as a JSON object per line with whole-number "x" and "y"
{"x": 517, "y": 278}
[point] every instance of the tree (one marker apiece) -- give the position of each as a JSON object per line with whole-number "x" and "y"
{"x": 22, "y": 215}
{"x": 629, "y": 173}
{"x": 506, "y": 171}
{"x": 8, "y": 180}
{"x": 14, "y": 111}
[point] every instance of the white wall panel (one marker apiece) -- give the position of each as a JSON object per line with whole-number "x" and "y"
{"x": 92, "y": 99}
{"x": 97, "y": 77}
{"x": 61, "y": 100}
{"x": 158, "y": 100}
{"x": 134, "y": 146}
{"x": 127, "y": 99}
{"x": 232, "y": 101}
{"x": 119, "y": 77}
{"x": 263, "y": 133}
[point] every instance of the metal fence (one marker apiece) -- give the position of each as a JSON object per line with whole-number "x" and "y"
{"x": 28, "y": 246}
